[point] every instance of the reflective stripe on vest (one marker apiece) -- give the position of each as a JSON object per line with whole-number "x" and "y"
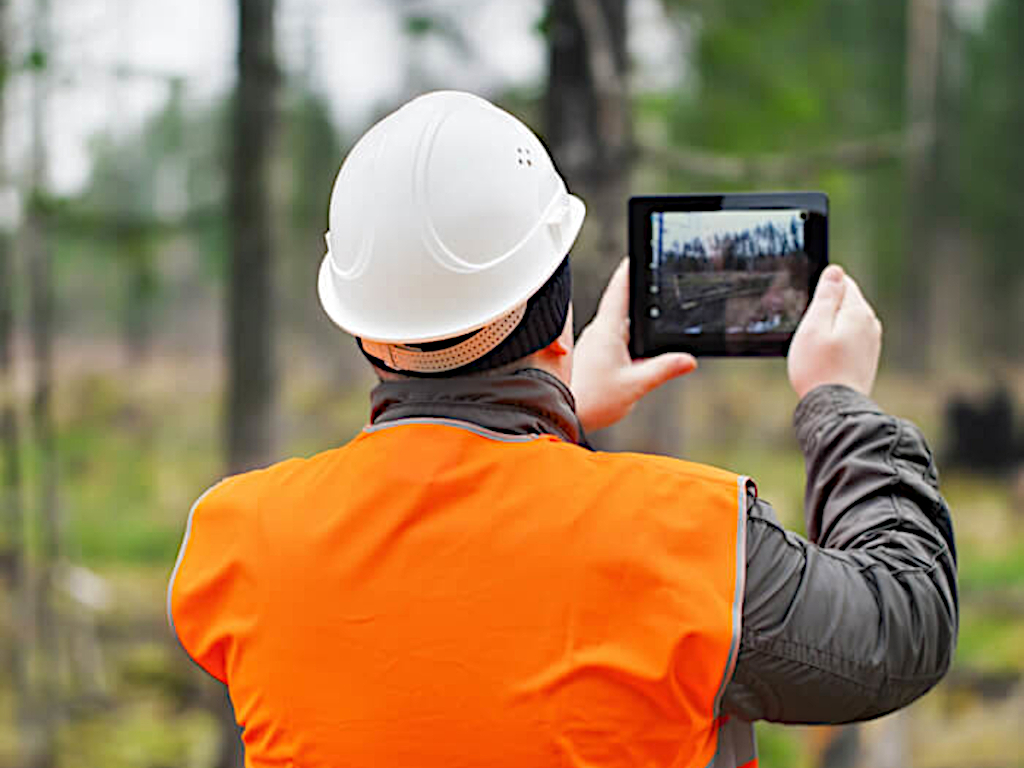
{"x": 436, "y": 594}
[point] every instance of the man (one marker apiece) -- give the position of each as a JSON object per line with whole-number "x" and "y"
{"x": 467, "y": 584}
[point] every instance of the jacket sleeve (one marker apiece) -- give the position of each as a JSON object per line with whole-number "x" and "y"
{"x": 860, "y": 618}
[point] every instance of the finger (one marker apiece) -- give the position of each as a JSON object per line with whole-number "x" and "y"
{"x": 855, "y": 297}
{"x": 647, "y": 375}
{"x": 614, "y": 305}
{"x": 855, "y": 309}
{"x": 828, "y": 296}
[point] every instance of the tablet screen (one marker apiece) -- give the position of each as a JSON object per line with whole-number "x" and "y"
{"x": 728, "y": 272}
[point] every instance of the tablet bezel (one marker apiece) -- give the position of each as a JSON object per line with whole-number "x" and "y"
{"x": 644, "y": 341}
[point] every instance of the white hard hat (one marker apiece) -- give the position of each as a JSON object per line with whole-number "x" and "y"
{"x": 445, "y": 217}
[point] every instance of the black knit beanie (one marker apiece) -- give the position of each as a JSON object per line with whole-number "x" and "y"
{"x": 543, "y": 321}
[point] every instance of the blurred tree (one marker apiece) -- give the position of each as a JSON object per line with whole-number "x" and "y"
{"x": 881, "y": 58}
{"x": 829, "y": 94}
{"x": 424, "y": 25}
{"x": 312, "y": 152}
{"x": 164, "y": 153}
{"x": 773, "y": 76}
{"x": 991, "y": 166}
{"x": 157, "y": 193}
{"x": 10, "y": 482}
{"x": 308, "y": 161}
{"x": 40, "y": 733}
{"x": 252, "y": 374}
{"x": 41, "y": 299}
{"x": 252, "y": 378}
{"x": 153, "y": 190}
{"x": 13, "y": 582}
{"x": 924, "y": 32}
{"x": 135, "y": 197}
{"x": 588, "y": 125}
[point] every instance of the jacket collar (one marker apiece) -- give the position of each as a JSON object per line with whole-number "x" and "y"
{"x": 525, "y": 402}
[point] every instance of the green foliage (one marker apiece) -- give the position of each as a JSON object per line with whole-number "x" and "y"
{"x": 154, "y": 668}
{"x": 111, "y": 497}
{"x": 36, "y": 60}
{"x": 791, "y": 77}
{"x": 131, "y": 466}
{"x": 418, "y": 25}
{"x": 778, "y": 746}
{"x": 542, "y": 26}
{"x": 116, "y": 456}
{"x": 990, "y": 642}
{"x": 1000, "y": 572}
{"x": 43, "y": 203}
{"x": 140, "y": 736}
{"x": 314, "y": 152}
{"x": 781, "y": 76}
{"x": 147, "y": 187}
{"x": 992, "y": 167}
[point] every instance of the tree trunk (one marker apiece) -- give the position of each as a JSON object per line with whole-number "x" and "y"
{"x": 11, "y": 538}
{"x": 41, "y": 302}
{"x": 140, "y": 293}
{"x": 252, "y": 376}
{"x": 11, "y": 532}
{"x": 12, "y": 522}
{"x": 589, "y": 129}
{"x": 916, "y": 338}
{"x": 13, "y": 570}
{"x": 41, "y": 311}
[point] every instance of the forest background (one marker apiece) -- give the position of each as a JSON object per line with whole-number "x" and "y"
{"x": 161, "y": 226}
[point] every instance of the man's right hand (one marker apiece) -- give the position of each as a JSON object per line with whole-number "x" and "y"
{"x": 838, "y": 340}
{"x": 606, "y": 381}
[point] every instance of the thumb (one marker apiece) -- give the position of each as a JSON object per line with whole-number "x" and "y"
{"x": 828, "y": 295}
{"x": 614, "y": 305}
{"x": 651, "y": 373}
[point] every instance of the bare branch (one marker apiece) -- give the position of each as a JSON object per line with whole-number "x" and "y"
{"x": 855, "y": 154}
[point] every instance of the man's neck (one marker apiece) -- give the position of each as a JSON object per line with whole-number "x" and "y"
{"x": 527, "y": 401}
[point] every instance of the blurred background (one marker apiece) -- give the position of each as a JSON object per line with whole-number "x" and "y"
{"x": 165, "y": 170}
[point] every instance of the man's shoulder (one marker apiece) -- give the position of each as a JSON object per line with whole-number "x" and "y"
{"x": 666, "y": 467}
{"x": 288, "y": 469}
{"x": 243, "y": 490}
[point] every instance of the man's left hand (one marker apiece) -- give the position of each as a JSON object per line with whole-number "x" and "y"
{"x": 606, "y": 381}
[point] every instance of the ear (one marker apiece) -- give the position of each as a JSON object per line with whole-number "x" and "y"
{"x": 556, "y": 348}
{"x": 564, "y": 344}
{"x": 556, "y": 357}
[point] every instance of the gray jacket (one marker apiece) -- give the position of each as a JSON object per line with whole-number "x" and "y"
{"x": 856, "y": 620}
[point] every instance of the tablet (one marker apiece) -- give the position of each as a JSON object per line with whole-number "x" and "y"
{"x": 723, "y": 274}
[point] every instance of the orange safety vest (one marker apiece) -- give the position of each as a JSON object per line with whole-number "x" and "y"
{"x": 435, "y": 595}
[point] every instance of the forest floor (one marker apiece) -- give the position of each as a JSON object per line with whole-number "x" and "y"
{"x": 136, "y": 449}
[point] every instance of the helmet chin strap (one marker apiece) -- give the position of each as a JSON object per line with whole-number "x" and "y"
{"x": 406, "y": 357}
